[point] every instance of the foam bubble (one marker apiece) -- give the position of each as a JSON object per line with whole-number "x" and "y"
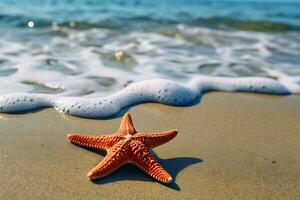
{"x": 154, "y": 90}
{"x": 71, "y": 62}
{"x": 96, "y": 72}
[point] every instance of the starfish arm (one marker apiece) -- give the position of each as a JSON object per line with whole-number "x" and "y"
{"x": 126, "y": 126}
{"x": 97, "y": 142}
{"x": 156, "y": 139}
{"x": 143, "y": 159}
{"x": 115, "y": 158}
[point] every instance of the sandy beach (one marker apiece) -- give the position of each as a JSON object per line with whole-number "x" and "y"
{"x": 225, "y": 74}
{"x": 230, "y": 146}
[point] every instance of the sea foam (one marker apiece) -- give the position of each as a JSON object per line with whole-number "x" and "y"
{"x": 97, "y": 72}
{"x": 154, "y": 90}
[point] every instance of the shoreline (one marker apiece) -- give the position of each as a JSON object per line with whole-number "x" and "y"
{"x": 230, "y": 146}
{"x": 162, "y": 91}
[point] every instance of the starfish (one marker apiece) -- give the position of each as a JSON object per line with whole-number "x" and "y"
{"x": 127, "y": 146}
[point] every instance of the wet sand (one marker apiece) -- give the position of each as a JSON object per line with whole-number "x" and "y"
{"x": 230, "y": 146}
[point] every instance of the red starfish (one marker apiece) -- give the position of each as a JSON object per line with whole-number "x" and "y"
{"x": 127, "y": 146}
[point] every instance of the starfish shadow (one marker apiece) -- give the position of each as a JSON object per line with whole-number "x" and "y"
{"x": 175, "y": 165}
{"x": 130, "y": 172}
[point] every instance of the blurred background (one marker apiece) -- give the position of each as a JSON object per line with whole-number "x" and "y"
{"x": 96, "y": 47}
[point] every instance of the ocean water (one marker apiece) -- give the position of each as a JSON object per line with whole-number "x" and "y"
{"x": 94, "y": 58}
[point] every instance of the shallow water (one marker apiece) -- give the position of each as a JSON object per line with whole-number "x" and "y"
{"x": 92, "y": 48}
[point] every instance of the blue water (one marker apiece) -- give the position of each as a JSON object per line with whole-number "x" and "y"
{"x": 143, "y": 13}
{"x": 94, "y": 48}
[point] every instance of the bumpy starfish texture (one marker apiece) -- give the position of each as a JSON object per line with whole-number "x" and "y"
{"x": 127, "y": 146}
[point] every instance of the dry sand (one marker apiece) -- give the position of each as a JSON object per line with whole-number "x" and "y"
{"x": 230, "y": 146}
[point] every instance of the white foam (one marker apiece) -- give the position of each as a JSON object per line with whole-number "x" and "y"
{"x": 154, "y": 90}
{"x": 77, "y": 71}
